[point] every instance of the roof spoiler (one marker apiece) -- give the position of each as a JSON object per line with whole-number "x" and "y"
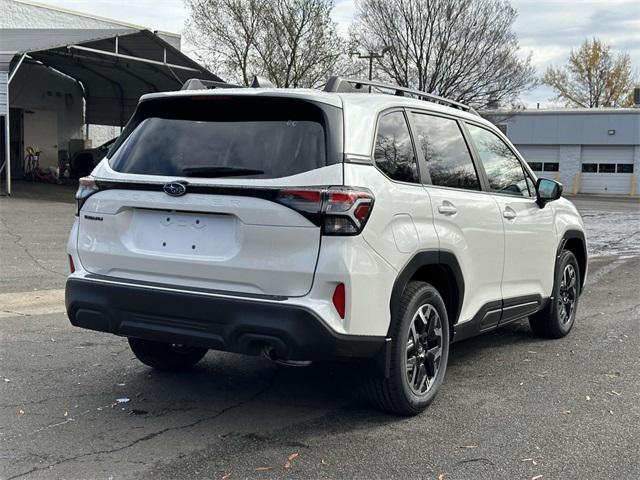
{"x": 198, "y": 84}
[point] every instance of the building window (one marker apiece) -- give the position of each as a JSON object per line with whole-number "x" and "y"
{"x": 625, "y": 168}
{"x": 535, "y": 166}
{"x": 551, "y": 167}
{"x": 589, "y": 168}
{"x": 607, "y": 168}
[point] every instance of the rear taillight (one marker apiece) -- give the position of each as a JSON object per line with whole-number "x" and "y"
{"x": 72, "y": 267}
{"x": 87, "y": 186}
{"x": 346, "y": 211}
{"x": 302, "y": 200}
{"x": 337, "y": 210}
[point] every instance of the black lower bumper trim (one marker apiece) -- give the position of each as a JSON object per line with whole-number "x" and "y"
{"x": 228, "y": 324}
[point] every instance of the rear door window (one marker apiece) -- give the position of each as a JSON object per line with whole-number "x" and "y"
{"x": 220, "y": 136}
{"x": 445, "y": 151}
{"x": 394, "y": 153}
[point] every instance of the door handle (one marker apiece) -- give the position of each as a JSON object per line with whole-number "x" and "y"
{"x": 509, "y": 213}
{"x": 447, "y": 208}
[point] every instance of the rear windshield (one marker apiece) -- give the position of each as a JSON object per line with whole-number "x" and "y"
{"x": 219, "y": 136}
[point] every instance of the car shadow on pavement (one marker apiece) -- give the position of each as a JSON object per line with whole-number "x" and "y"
{"x": 517, "y": 333}
{"x": 318, "y": 388}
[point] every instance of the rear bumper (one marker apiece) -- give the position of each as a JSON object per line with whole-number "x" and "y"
{"x": 220, "y": 323}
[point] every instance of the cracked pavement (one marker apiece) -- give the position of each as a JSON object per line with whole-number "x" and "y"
{"x": 512, "y": 406}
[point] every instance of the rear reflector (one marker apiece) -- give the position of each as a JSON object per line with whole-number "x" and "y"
{"x": 339, "y": 299}
{"x": 72, "y": 267}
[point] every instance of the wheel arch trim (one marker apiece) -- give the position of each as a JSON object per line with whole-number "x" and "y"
{"x": 427, "y": 258}
{"x": 578, "y": 235}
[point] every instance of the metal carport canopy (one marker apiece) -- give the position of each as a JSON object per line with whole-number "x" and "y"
{"x": 114, "y": 66}
{"x": 115, "y": 71}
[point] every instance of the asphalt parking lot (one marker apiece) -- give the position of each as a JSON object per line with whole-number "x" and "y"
{"x": 76, "y": 404}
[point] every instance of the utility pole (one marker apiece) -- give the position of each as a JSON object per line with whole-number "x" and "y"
{"x": 371, "y": 56}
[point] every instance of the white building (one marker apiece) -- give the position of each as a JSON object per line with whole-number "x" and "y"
{"x": 61, "y": 70}
{"x": 588, "y": 150}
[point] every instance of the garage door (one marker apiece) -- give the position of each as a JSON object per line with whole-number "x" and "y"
{"x": 543, "y": 160}
{"x": 606, "y": 169}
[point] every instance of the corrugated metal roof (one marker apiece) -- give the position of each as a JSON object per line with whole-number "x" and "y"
{"x": 3, "y": 93}
{"x": 113, "y": 84}
{"x": 23, "y": 40}
{"x": 28, "y": 14}
{"x": 5, "y": 59}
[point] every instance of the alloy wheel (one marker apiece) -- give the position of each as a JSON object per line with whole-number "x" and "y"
{"x": 567, "y": 294}
{"x": 424, "y": 349}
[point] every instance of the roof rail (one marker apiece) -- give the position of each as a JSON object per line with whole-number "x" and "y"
{"x": 342, "y": 84}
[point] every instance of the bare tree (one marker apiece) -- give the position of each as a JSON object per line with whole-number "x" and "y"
{"x": 292, "y": 42}
{"x": 223, "y": 32}
{"x": 465, "y": 50}
{"x": 593, "y": 77}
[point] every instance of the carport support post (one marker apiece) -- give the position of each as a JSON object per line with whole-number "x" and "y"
{"x": 7, "y": 145}
{"x": 7, "y": 129}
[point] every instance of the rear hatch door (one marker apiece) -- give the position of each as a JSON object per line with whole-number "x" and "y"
{"x": 233, "y": 156}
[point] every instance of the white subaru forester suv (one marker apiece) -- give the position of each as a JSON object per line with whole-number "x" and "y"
{"x": 309, "y": 225}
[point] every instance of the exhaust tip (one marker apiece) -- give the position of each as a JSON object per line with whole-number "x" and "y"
{"x": 269, "y": 352}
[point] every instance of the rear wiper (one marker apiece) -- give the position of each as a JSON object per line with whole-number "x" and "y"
{"x": 219, "y": 171}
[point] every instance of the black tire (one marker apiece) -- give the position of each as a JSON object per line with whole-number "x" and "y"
{"x": 555, "y": 320}
{"x": 397, "y": 394}
{"x": 166, "y": 356}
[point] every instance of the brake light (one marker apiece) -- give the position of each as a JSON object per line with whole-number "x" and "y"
{"x": 346, "y": 211}
{"x": 87, "y": 186}
{"x": 337, "y": 210}
{"x": 339, "y": 299}
{"x": 72, "y": 267}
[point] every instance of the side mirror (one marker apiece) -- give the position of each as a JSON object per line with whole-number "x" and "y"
{"x": 547, "y": 191}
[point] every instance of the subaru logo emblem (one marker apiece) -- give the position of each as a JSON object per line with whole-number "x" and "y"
{"x": 175, "y": 189}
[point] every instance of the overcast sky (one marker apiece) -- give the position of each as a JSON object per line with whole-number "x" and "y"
{"x": 547, "y": 29}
